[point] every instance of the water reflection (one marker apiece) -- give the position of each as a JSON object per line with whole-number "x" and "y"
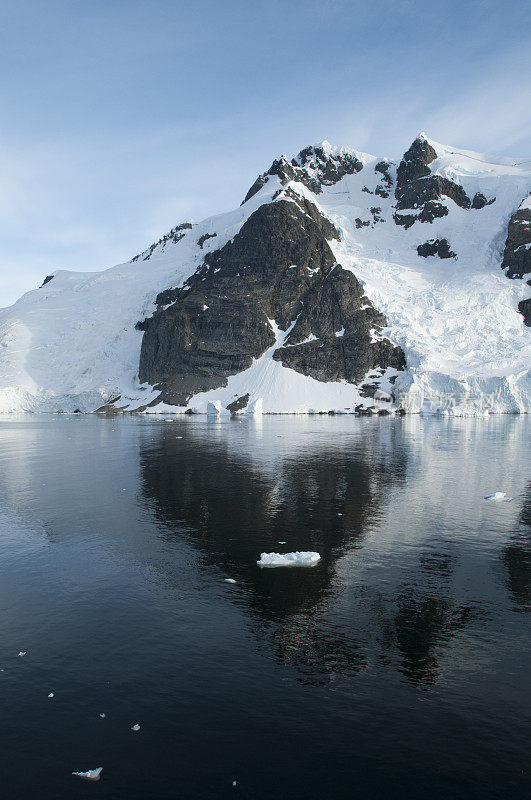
{"x": 399, "y": 655}
{"x": 317, "y": 496}
{"x": 517, "y": 558}
{"x": 325, "y": 496}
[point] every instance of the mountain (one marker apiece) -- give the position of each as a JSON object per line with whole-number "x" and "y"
{"x": 342, "y": 282}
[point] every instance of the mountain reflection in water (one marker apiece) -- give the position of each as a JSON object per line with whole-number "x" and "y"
{"x": 397, "y": 666}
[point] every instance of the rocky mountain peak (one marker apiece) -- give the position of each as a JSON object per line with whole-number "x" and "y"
{"x": 314, "y": 166}
{"x": 415, "y": 161}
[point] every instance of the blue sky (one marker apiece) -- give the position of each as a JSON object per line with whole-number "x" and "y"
{"x": 118, "y": 119}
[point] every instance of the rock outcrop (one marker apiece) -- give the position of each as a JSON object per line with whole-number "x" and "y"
{"x": 419, "y": 190}
{"x": 313, "y": 167}
{"x": 174, "y": 236}
{"x": 517, "y": 253}
{"x": 278, "y": 273}
{"x": 436, "y": 247}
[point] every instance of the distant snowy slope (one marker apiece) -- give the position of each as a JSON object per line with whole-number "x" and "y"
{"x": 426, "y": 235}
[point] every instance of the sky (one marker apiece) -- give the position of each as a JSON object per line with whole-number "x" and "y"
{"x": 121, "y": 118}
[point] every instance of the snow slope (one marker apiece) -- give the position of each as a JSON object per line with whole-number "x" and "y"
{"x": 72, "y": 344}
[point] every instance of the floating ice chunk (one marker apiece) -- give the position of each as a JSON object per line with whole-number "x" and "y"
{"x": 497, "y": 496}
{"x": 90, "y": 774}
{"x": 298, "y": 559}
{"x": 234, "y": 783}
{"x": 229, "y": 580}
{"x": 136, "y": 727}
{"x": 282, "y": 542}
{"x": 215, "y": 409}
{"x": 22, "y": 653}
{"x": 102, "y": 716}
{"x": 51, "y": 695}
{"x": 254, "y": 409}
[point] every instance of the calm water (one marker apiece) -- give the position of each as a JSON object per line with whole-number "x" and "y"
{"x": 397, "y": 668}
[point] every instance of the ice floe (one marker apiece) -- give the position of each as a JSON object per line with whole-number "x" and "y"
{"x": 498, "y": 496}
{"x": 136, "y": 728}
{"x": 297, "y": 559}
{"x": 90, "y": 774}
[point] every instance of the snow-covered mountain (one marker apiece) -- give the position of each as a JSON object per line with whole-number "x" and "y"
{"x": 342, "y": 282}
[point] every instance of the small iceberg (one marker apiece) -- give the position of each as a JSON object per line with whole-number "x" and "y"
{"x": 102, "y": 716}
{"x": 51, "y": 695}
{"x": 229, "y": 580}
{"x": 497, "y": 496}
{"x": 22, "y": 653}
{"x": 136, "y": 728}
{"x": 215, "y": 409}
{"x": 298, "y": 559}
{"x": 255, "y": 409}
{"x": 90, "y": 774}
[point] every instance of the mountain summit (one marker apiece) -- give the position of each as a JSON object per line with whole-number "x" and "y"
{"x": 343, "y": 282}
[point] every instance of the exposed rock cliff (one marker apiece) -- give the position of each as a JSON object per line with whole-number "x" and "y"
{"x": 279, "y": 268}
{"x": 517, "y": 253}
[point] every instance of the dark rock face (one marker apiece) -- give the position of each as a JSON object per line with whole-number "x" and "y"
{"x": 517, "y": 254}
{"x": 312, "y": 167}
{"x": 278, "y": 267}
{"x": 415, "y": 162}
{"x": 47, "y": 279}
{"x": 524, "y": 307}
{"x": 430, "y": 212}
{"x": 238, "y": 404}
{"x": 435, "y": 247}
{"x": 202, "y": 239}
{"x": 417, "y": 188}
{"x": 334, "y": 306}
{"x": 174, "y": 236}
{"x": 383, "y": 168}
{"x": 480, "y": 201}
{"x": 415, "y": 194}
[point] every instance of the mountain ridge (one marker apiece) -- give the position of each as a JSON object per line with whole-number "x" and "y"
{"x": 438, "y": 242}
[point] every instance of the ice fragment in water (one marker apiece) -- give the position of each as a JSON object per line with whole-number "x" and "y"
{"x": 22, "y": 653}
{"x": 102, "y": 716}
{"x": 229, "y": 580}
{"x": 497, "y": 496}
{"x": 90, "y": 774}
{"x": 255, "y": 409}
{"x": 136, "y": 727}
{"x": 51, "y": 695}
{"x": 297, "y": 559}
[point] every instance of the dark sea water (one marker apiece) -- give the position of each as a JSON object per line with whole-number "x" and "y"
{"x": 399, "y": 667}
